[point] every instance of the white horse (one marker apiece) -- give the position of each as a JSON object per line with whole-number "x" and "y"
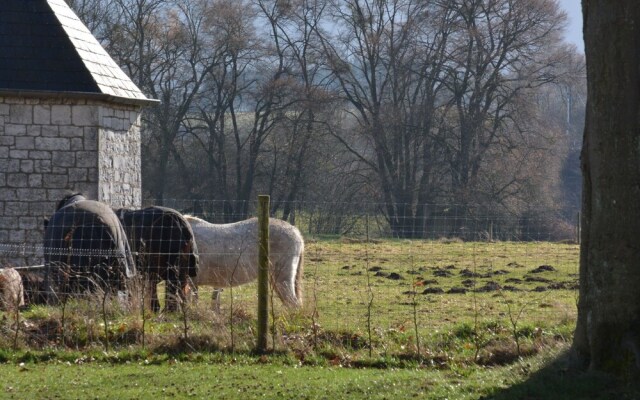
{"x": 229, "y": 256}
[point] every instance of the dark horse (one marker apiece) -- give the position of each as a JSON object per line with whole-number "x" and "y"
{"x": 166, "y": 250}
{"x": 85, "y": 246}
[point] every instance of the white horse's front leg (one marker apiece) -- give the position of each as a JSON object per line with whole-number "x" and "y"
{"x": 215, "y": 297}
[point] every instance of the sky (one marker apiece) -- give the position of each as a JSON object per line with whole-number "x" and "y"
{"x": 573, "y": 34}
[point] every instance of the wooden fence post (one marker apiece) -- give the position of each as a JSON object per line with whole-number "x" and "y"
{"x": 263, "y": 273}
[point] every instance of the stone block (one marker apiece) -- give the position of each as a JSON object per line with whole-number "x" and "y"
{"x": 17, "y": 180}
{"x": 71, "y": 131}
{"x": 91, "y": 138}
{"x": 31, "y": 194}
{"x": 40, "y": 155}
{"x": 35, "y": 180}
{"x": 42, "y": 115}
{"x": 52, "y": 143}
{"x": 7, "y": 140}
{"x": 63, "y": 159}
{"x": 29, "y": 223}
{"x": 59, "y": 170}
{"x": 134, "y": 118}
{"x": 54, "y": 181}
{"x": 51, "y": 131}
{"x": 21, "y": 114}
{"x": 35, "y": 236}
{"x": 14, "y": 208}
{"x": 6, "y": 221}
{"x": 42, "y": 166}
{"x": 86, "y": 159}
{"x": 42, "y": 208}
{"x": 24, "y": 143}
{"x": 14, "y": 165}
{"x": 34, "y": 130}
{"x": 15, "y": 130}
{"x": 9, "y": 166}
{"x": 17, "y": 236}
{"x": 56, "y": 195}
{"x": 61, "y": 115}
{"x": 77, "y": 144}
{"x": 26, "y": 166}
{"x": 92, "y": 175}
{"x": 18, "y": 154}
{"x": 78, "y": 174}
{"x": 107, "y": 124}
{"x": 118, "y": 124}
{"x": 84, "y": 115}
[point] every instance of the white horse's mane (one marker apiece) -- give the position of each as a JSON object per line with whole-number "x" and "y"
{"x": 192, "y": 219}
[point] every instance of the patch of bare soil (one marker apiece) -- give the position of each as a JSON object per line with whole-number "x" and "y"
{"x": 442, "y": 273}
{"x": 543, "y": 268}
{"x": 489, "y": 287}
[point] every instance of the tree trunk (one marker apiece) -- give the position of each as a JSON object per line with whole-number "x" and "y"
{"x": 607, "y": 336}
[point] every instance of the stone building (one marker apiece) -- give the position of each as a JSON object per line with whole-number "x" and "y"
{"x": 69, "y": 121}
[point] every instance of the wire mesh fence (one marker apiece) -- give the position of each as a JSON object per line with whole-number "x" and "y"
{"x": 344, "y": 280}
{"x": 380, "y": 220}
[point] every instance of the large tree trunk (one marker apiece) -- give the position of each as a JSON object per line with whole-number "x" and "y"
{"x": 607, "y": 336}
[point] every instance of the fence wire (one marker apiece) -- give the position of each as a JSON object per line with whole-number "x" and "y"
{"x": 361, "y": 284}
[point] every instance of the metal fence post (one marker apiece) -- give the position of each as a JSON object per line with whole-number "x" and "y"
{"x": 263, "y": 272}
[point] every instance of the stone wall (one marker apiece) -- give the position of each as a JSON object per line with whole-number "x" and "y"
{"x": 119, "y": 166}
{"x": 50, "y": 146}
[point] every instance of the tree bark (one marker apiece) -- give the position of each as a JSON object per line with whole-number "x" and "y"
{"x": 607, "y": 336}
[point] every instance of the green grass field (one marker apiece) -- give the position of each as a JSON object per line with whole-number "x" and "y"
{"x": 382, "y": 319}
{"x": 126, "y": 376}
{"x": 458, "y": 299}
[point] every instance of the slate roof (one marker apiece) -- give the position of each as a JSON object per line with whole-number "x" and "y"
{"x": 45, "y": 48}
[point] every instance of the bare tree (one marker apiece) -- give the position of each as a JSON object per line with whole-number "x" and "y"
{"x": 97, "y": 15}
{"x": 499, "y": 51}
{"x": 159, "y": 44}
{"x": 219, "y": 128}
{"x": 270, "y": 96}
{"x": 403, "y": 103}
{"x": 293, "y": 26}
{"x": 247, "y": 100}
{"x": 387, "y": 58}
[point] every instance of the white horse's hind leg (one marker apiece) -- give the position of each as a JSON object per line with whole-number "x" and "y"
{"x": 284, "y": 282}
{"x": 286, "y": 292}
{"x": 285, "y": 288}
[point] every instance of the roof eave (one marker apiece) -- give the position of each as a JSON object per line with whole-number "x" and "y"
{"x": 80, "y": 95}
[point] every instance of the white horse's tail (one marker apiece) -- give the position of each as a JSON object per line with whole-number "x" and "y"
{"x": 287, "y": 272}
{"x": 298, "y": 280}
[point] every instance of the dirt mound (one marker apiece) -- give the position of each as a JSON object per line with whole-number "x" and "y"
{"x": 489, "y": 287}
{"x": 543, "y": 268}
